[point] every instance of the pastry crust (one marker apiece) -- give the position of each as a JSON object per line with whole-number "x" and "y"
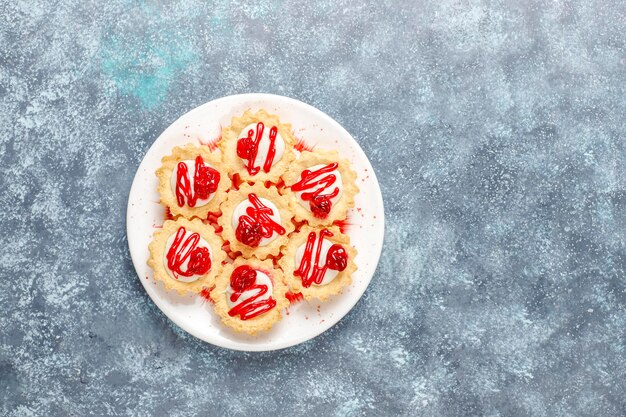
{"x": 164, "y": 173}
{"x": 339, "y": 210}
{"x": 232, "y": 133}
{"x": 321, "y": 292}
{"x": 264, "y": 321}
{"x": 157, "y": 249}
{"x": 228, "y": 207}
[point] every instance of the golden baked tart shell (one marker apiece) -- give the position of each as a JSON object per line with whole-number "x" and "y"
{"x": 320, "y": 292}
{"x": 262, "y": 322}
{"x": 234, "y": 198}
{"x": 232, "y": 133}
{"x": 339, "y": 209}
{"x": 165, "y": 172}
{"x": 157, "y": 251}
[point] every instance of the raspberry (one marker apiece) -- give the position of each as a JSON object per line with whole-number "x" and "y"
{"x": 242, "y": 278}
{"x": 337, "y": 258}
{"x": 206, "y": 180}
{"x": 248, "y": 233}
{"x": 244, "y": 148}
{"x": 199, "y": 261}
{"x": 320, "y": 206}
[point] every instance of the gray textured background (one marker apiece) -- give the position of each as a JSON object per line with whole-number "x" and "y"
{"x": 496, "y": 129}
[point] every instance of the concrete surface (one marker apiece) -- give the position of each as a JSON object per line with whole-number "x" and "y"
{"x": 496, "y": 129}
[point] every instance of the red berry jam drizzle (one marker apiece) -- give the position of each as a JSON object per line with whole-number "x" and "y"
{"x": 248, "y": 148}
{"x": 336, "y": 259}
{"x": 243, "y": 279}
{"x": 187, "y": 249}
{"x": 256, "y": 224}
{"x": 319, "y": 203}
{"x": 205, "y": 182}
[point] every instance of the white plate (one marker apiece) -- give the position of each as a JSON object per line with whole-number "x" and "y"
{"x": 304, "y": 320}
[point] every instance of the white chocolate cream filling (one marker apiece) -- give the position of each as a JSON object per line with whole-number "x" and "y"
{"x": 191, "y": 170}
{"x": 337, "y": 184}
{"x": 261, "y": 279}
{"x": 264, "y": 145}
{"x": 241, "y": 208}
{"x": 330, "y": 274}
{"x": 201, "y": 243}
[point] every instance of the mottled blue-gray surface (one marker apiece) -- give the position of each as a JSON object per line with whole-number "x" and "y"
{"x": 497, "y": 130}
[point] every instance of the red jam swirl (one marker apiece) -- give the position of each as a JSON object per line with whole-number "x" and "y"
{"x": 320, "y": 204}
{"x": 309, "y": 271}
{"x": 187, "y": 249}
{"x": 248, "y": 148}
{"x": 205, "y": 182}
{"x": 243, "y": 279}
{"x": 256, "y": 224}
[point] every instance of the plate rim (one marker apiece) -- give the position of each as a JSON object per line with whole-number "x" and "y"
{"x": 330, "y": 323}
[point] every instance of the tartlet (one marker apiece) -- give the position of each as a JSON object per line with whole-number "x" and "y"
{"x": 256, "y": 220}
{"x": 249, "y": 295}
{"x": 192, "y": 181}
{"x": 321, "y": 187}
{"x": 318, "y": 272}
{"x": 186, "y": 255}
{"x": 257, "y": 146}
